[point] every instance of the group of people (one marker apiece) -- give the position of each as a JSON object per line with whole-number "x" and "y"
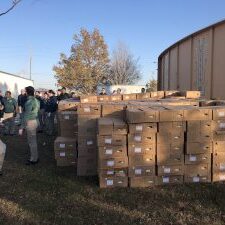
{"x": 118, "y": 91}
{"x": 36, "y": 112}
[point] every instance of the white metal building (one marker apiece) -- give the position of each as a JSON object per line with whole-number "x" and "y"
{"x": 13, "y": 83}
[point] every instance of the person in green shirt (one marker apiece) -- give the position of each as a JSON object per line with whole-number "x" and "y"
{"x": 9, "y": 104}
{"x": 30, "y": 123}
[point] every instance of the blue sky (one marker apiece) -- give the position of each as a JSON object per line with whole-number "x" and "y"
{"x": 44, "y": 28}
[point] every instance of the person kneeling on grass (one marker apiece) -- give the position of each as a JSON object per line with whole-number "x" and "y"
{"x": 30, "y": 123}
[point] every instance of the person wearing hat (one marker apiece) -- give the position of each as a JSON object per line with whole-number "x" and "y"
{"x": 30, "y": 123}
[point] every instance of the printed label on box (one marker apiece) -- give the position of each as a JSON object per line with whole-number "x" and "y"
{"x": 139, "y": 128}
{"x": 87, "y": 109}
{"x": 62, "y": 145}
{"x": 110, "y": 172}
{"x": 222, "y": 166}
{"x": 137, "y": 171}
{"x": 166, "y": 179}
{"x": 109, "y": 182}
{"x": 62, "y": 154}
{"x": 108, "y": 151}
{"x": 137, "y": 138}
{"x": 137, "y": 149}
{"x": 90, "y": 142}
{"x": 196, "y": 179}
{"x": 67, "y": 117}
{"x": 110, "y": 163}
{"x": 167, "y": 170}
{"x": 222, "y": 125}
{"x": 192, "y": 158}
{"x": 108, "y": 140}
{"x": 222, "y": 177}
{"x": 221, "y": 114}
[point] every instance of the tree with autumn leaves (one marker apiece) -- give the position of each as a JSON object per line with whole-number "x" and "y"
{"x": 89, "y": 65}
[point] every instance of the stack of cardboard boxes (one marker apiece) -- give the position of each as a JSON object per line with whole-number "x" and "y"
{"x": 88, "y": 115}
{"x": 142, "y": 123}
{"x": 112, "y": 153}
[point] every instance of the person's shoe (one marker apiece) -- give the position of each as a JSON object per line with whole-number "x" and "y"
{"x": 29, "y": 162}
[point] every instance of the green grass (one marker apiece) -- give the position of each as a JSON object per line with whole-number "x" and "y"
{"x": 47, "y": 195}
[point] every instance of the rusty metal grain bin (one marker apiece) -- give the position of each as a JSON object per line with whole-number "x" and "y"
{"x": 196, "y": 63}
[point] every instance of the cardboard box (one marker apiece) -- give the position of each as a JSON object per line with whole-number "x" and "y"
{"x": 67, "y": 154}
{"x": 178, "y": 102}
{"x": 143, "y": 96}
{"x": 218, "y": 125}
{"x": 145, "y": 128}
{"x": 170, "y": 180}
{"x": 142, "y": 160}
{"x": 205, "y": 127}
{"x": 87, "y": 151}
{"x": 218, "y": 177}
{"x": 199, "y": 147}
{"x": 191, "y": 94}
{"x": 116, "y": 162}
{"x": 219, "y": 113}
{"x": 87, "y": 166}
{"x": 65, "y": 143}
{"x": 218, "y": 146}
{"x": 128, "y": 97}
{"x": 142, "y": 115}
{"x": 197, "y": 179}
{"x": 87, "y": 125}
{"x": 113, "y": 110}
{"x": 170, "y": 149}
{"x": 103, "y": 98}
{"x": 116, "y": 98}
{"x": 199, "y": 137}
{"x": 172, "y": 127}
{"x": 66, "y": 162}
{"x": 122, "y": 172}
{"x": 166, "y": 138}
{"x": 191, "y": 114}
{"x": 198, "y": 158}
{"x": 108, "y": 126}
{"x": 139, "y": 148}
{"x": 157, "y": 94}
{"x": 112, "y": 182}
{"x": 72, "y": 133}
{"x": 88, "y": 99}
{"x": 142, "y": 182}
{"x": 87, "y": 142}
{"x": 112, "y": 151}
{"x": 65, "y": 116}
{"x": 170, "y": 159}
{"x": 172, "y": 114}
{"x": 68, "y": 104}
{"x": 219, "y": 136}
{"x": 137, "y": 171}
{"x": 170, "y": 170}
{"x": 89, "y": 109}
{"x": 219, "y": 162}
{"x": 201, "y": 170}
{"x": 172, "y": 93}
{"x": 112, "y": 140}
{"x": 141, "y": 138}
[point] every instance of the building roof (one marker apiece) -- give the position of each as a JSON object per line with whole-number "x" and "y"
{"x": 14, "y": 75}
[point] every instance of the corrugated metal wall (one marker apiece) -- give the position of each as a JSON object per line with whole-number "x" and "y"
{"x": 196, "y": 63}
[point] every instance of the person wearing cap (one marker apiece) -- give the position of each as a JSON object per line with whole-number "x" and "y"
{"x": 30, "y": 123}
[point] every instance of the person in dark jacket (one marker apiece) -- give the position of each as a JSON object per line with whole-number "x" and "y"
{"x": 41, "y": 112}
{"x": 50, "y": 109}
{"x": 1, "y": 106}
{"x": 22, "y": 98}
{"x": 62, "y": 95}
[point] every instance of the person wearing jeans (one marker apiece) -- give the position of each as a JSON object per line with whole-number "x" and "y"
{"x": 30, "y": 123}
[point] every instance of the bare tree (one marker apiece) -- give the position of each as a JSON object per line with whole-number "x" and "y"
{"x": 14, "y": 3}
{"x": 124, "y": 67}
{"x": 151, "y": 85}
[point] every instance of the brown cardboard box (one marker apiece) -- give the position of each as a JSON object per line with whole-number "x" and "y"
{"x": 219, "y": 136}
{"x": 142, "y": 182}
{"x": 87, "y": 142}
{"x": 164, "y": 138}
{"x": 87, "y": 151}
{"x": 191, "y": 114}
{"x": 198, "y": 158}
{"x": 112, "y": 151}
{"x": 65, "y": 143}
{"x": 142, "y": 115}
{"x": 112, "y": 182}
{"x": 116, "y": 162}
{"x": 170, "y": 148}
{"x": 88, "y": 99}
{"x": 141, "y": 138}
{"x": 87, "y": 125}
{"x": 140, "y": 148}
{"x": 89, "y": 109}
{"x": 122, "y": 172}
{"x": 173, "y": 127}
{"x": 68, "y": 104}
{"x": 87, "y": 166}
{"x": 191, "y": 94}
{"x": 157, "y": 94}
{"x": 72, "y": 133}
{"x": 107, "y": 126}
{"x": 170, "y": 170}
{"x": 65, "y": 116}
{"x": 103, "y": 98}
{"x": 205, "y": 127}
{"x": 143, "y": 96}
{"x": 171, "y": 114}
{"x": 170, "y": 180}
{"x": 199, "y": 147}
{"x": 201, "y": 170}
{"x": 172, "y": 93}
{"x": 197, "y": 179}
{"x": 219, "y": 162}
{"x": 217, "y": 177}
{"x": 218, "y": 146}
{"x": 170, "y": 159}
{"x": 116, "y": 98}
{"x": 128, "y": 97}
{"x": 137, "y": 171}
{"x": 113, "y": 110}
{"x": 143, "y": 128}
{"x": 142, "y": 160}
{"x": 219, "y": 113}
{"x": 66, "y": 162}
{"x": 201, "y": 137}
{"x": 218, "y": 125}
{"x": 178, "y": 102}
{"x": 112, "y": 140}
{"x": 67, "y": 154}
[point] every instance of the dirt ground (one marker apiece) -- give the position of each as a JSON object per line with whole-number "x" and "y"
{"x": 46, "y": 195}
